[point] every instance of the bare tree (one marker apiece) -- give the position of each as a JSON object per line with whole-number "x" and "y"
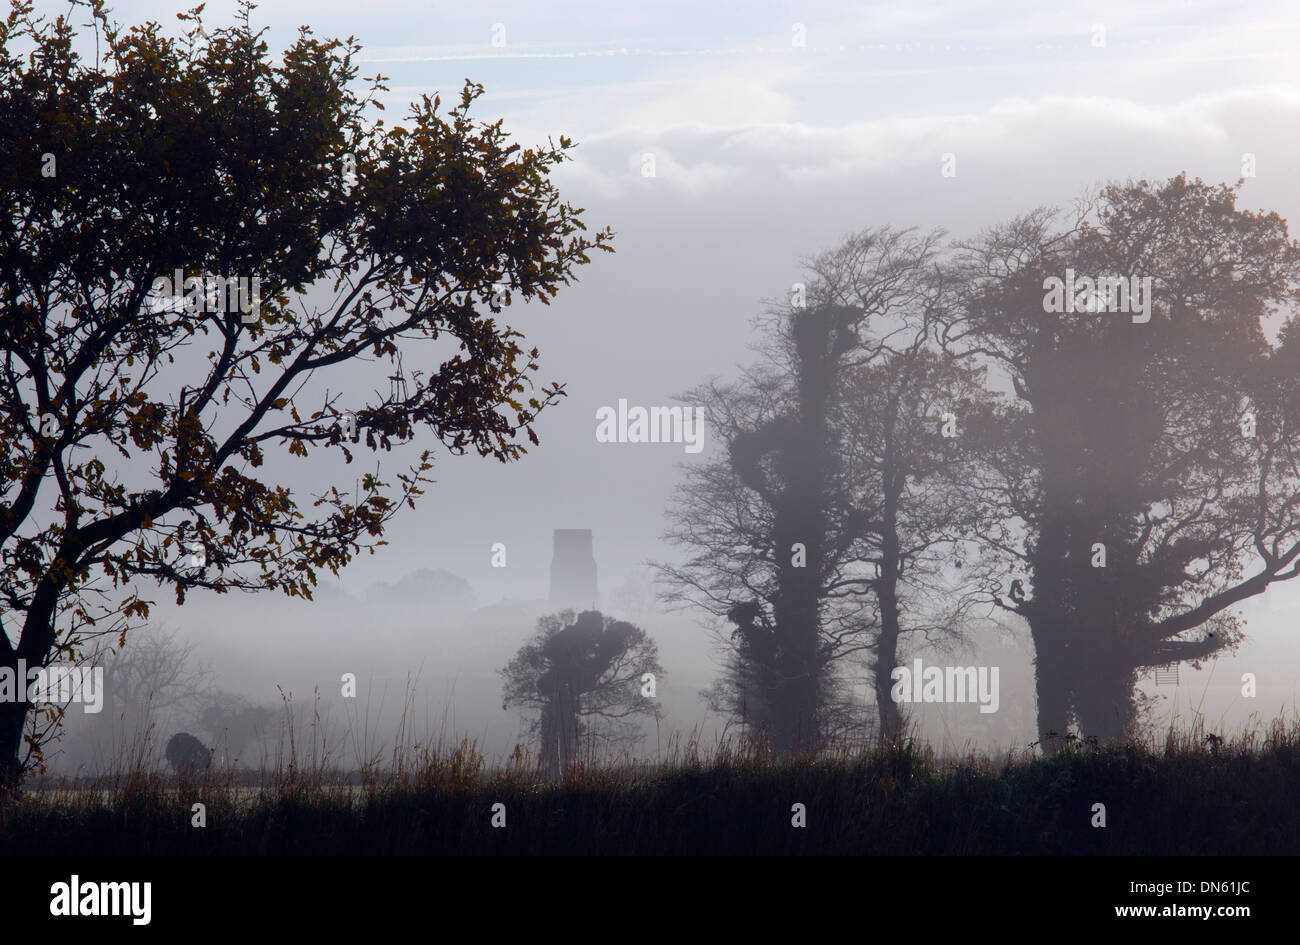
{"x": 155, "y": 674}
{"x": 828, "y": 503}
{"x": 770, "y": 534}
{"x": 910, "y": 420}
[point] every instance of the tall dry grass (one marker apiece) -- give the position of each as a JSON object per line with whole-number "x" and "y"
{"x": 1188, "y": 791}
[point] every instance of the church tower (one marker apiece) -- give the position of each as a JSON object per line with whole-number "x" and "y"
{"x": 573, "y": 571}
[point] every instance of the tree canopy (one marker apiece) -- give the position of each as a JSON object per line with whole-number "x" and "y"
{"x": 1151, "y": 460}
{"x": 148, "y": 415}
{"x": 582, "y": 676}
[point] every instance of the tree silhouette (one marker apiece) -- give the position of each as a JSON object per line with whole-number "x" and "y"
{"x": 582, "y": 676}
{"x": 187, "y": 755}
{"x": 155, "y": 673}
{"x": 913, "y": 480}
{"x": 825, "y": 510}
{"x": 232, "y": 722}
{"x": 906, "y": 469}
{"x": 1153, "y": 465}
{"x": 139, "y": 428}
{"x": 768, "y": 533}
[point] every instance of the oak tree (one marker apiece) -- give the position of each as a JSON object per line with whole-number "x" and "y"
{"x": 195, "y": 240}
{"x": 1153, "y": 436}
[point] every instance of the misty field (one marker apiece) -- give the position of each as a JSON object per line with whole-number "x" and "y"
{"x": 1196, "y": 795}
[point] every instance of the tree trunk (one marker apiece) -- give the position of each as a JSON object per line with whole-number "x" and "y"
{"x": 796, "y": 613}
{"x": 1104, "y": 681}
{"x": 550, "y": 739}
{"x": 559, "y": 730}
{"x": 13, "y": 715}
{"x": 891, "y": 716}
{"x": 34, "y": 646}
{"x": 793, "y": 696}
{"x": 1052, "y": 621}
{"x": 1051, "y": 684}
{"x": 567, "y": 713}
{"x": 791, "y": 672}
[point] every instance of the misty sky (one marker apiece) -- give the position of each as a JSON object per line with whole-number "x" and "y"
{"x": 767, "y": 153}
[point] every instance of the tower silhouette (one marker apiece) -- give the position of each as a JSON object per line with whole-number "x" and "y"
{"x": 573, "y": 570}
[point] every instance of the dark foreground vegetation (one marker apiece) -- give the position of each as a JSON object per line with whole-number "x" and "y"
{"x": 1195, "y": 795}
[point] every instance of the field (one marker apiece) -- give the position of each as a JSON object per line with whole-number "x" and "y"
{"x": 1193, "y": 795}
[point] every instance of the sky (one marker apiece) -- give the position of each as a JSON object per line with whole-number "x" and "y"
{"x": 776, "y": 129}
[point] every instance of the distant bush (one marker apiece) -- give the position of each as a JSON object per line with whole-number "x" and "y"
{"x": 186, "y": 754}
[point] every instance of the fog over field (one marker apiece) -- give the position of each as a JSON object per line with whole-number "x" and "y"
{"x": 765, "y": 153}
